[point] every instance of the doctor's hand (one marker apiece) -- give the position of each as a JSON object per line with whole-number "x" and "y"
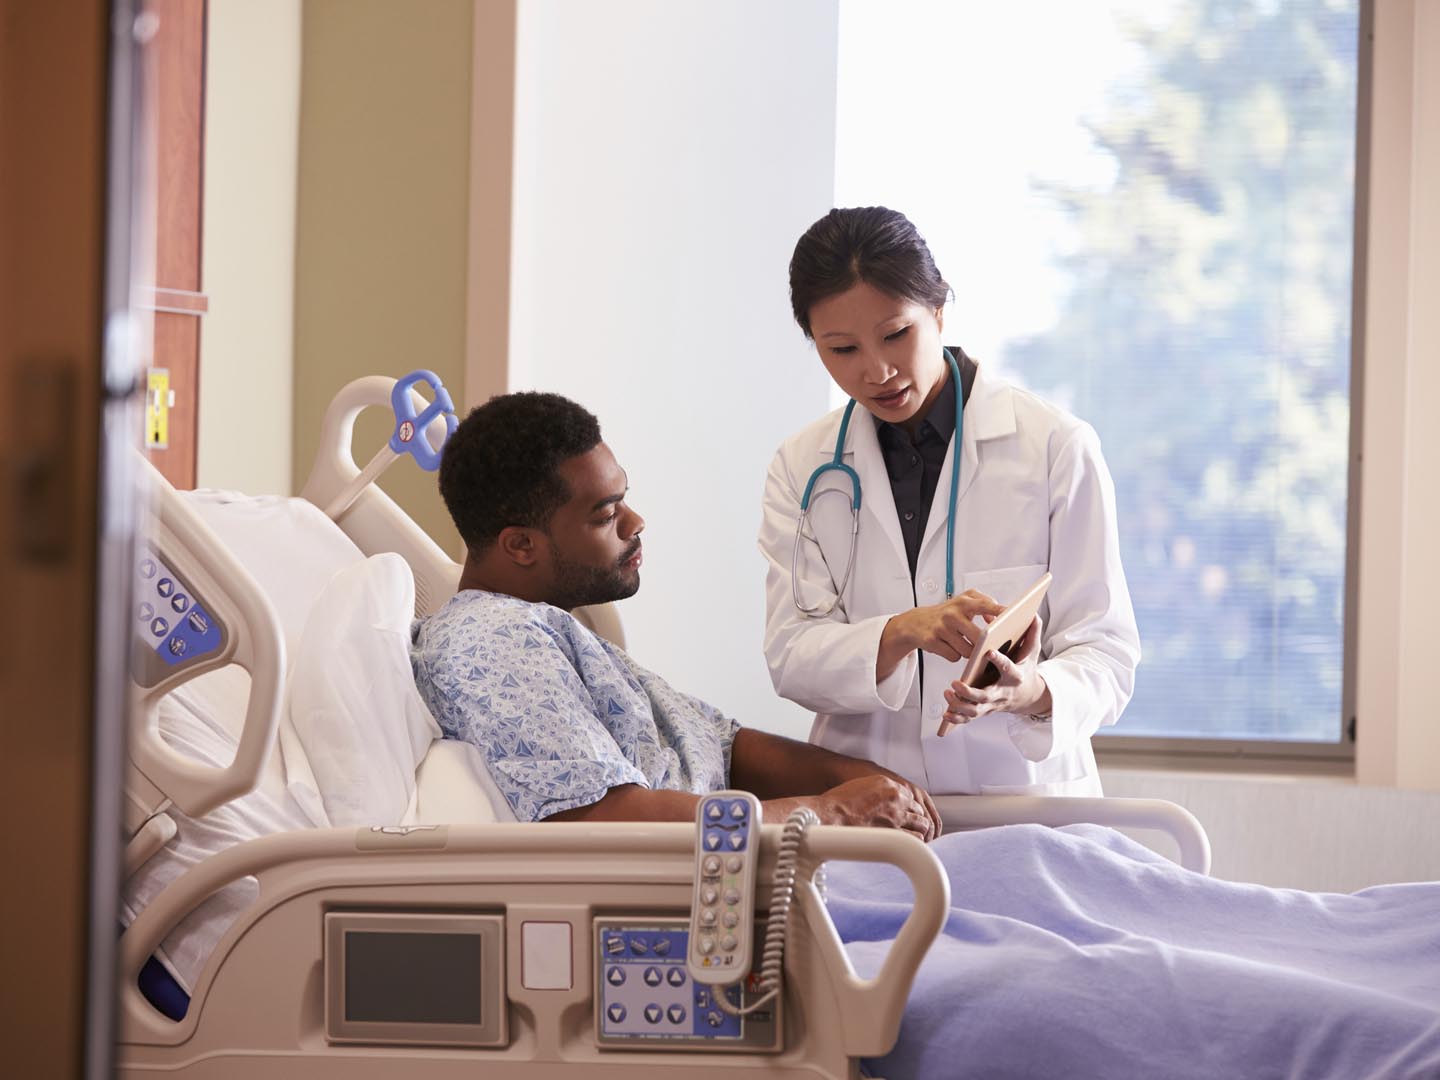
{"x": 947, "y": 629}
{"x": 885, "y": 801}
{"x": 1020, "y": 689}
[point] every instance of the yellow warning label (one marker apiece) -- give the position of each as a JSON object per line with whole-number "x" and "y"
{"x": 158, "y": 398}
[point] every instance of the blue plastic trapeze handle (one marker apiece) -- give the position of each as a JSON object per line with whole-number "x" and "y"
{"x": 409, "y": 437}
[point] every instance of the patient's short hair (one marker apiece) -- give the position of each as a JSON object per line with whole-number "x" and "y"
{"x": 500, "y": 468}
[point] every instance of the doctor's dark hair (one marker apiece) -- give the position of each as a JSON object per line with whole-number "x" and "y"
{"x": 500, "y": 468}
{"x": 872, "y": 244}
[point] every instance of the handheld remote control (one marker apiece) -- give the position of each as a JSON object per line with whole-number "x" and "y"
{"x": 722, "y": 911}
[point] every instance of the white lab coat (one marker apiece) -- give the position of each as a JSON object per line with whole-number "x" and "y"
{"x": 1034, "y": 495}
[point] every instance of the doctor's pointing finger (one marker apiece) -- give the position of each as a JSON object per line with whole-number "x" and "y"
{"x": 896, "y": 527}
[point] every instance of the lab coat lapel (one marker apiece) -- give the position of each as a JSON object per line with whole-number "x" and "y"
{"x": 989, "y": 414}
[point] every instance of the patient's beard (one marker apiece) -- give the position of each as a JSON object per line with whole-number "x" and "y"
{"x": 578, "y": 584}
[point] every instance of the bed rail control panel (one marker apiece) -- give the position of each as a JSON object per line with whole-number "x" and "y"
{"x": 173, "y": 627}
{"x": 646, "y": 999}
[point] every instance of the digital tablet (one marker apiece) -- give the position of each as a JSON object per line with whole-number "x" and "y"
{"x": 1002, "y": 634}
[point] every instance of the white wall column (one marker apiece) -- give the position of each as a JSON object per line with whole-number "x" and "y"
{"x": 668, "y": 155}
{"x": 1398, "y": 739}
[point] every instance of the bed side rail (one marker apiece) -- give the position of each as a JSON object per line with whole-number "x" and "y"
{"x": 959, "y": 812}
{"x": 646, "y": 858}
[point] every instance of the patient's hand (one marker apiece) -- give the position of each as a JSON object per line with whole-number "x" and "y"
{"x": 883, "y": 800}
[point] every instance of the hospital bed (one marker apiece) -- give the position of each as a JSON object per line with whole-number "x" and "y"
{"x": 323, "y": 927}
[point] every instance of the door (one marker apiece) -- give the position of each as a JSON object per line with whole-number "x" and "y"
{"x": 63, "y": 543}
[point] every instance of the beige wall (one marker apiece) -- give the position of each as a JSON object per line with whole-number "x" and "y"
{"x": 1327, "y": 834}
{"x": 383, "y": 216}
{"x": 248, "y": 258}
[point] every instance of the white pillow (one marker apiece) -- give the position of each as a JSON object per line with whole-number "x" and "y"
{"x": 291, "y": 549}
{"x": 454, "y": 787}
{"x": 353, "y": 704}
{"x": 288, "y": 545}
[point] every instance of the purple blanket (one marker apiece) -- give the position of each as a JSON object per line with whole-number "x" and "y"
{"x": 1078, "y": 953}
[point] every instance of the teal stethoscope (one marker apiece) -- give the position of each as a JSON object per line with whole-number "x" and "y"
{"x": 819, "y": 611}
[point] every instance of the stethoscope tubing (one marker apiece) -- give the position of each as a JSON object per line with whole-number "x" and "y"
{"x": 819, "y": 611}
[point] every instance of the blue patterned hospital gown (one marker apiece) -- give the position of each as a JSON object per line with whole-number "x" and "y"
{"x": 560, "y": 715}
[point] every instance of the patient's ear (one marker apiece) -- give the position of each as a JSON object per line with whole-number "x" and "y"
{"x": 519, "y": 545}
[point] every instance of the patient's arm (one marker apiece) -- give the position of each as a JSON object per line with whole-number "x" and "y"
{"x": 631, "y": 802}
{"x": 772, "y": 766}
{"x": 875, "y": 798}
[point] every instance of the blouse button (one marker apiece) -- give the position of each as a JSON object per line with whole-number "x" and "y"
{"x": 909, "y": 515}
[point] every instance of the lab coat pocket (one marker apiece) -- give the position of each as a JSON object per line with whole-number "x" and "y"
{"x": 1068, "y": 774}
{"x": 1004, "y": 585}
{"x": 1059, "y": 788}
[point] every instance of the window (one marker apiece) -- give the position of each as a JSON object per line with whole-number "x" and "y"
{"x": 1146, "y": 211}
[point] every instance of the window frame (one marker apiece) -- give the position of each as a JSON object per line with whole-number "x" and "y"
{"x": 1237, "y": 754}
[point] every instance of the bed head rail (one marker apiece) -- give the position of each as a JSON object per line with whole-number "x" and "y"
{"x": 376, "y": 523}
{"x": 197, "y": 610}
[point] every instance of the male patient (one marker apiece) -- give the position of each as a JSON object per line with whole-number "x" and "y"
{"x": 571, "y": 727}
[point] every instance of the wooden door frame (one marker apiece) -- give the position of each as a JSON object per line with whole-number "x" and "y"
{"x": 66, "y": 391}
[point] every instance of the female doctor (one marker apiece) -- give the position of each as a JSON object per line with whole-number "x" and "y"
{"x": 873, "y": 611}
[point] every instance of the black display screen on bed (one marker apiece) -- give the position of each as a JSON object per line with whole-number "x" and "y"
{"x": 412, "y": 978}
